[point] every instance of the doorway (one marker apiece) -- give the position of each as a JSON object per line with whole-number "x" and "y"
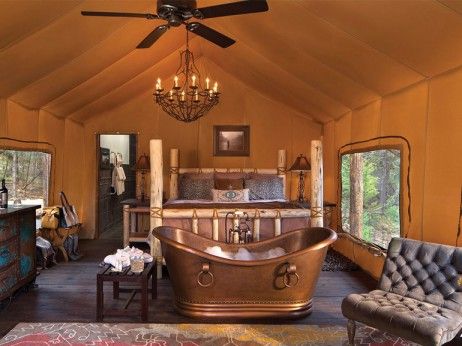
{"x": 116, "y": 154}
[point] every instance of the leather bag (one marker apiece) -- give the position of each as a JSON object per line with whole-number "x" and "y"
{"x": 69, "y": 213}
{"x": 50, "y": 217}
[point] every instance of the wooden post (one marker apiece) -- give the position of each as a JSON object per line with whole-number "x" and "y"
{"x": 277, "y": 224}
{"x": 256, "y": 226}
{"x": 126, "y": 220}
{"x": 155, "y": 150}
{"x": 215, "y": 225}
{"x": 317, "y": 201}
{"x": 174, "y": 173}
{"x": 282, "y": 168}
{"x": 195, "y": 222}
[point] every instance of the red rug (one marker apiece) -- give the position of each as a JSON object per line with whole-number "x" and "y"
{"x": 102, "y": 334}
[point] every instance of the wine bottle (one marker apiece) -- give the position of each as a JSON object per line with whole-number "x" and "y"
{"x": 3, "y": 196}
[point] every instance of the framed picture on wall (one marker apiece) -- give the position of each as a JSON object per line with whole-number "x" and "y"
{"x": 231, "y": 140}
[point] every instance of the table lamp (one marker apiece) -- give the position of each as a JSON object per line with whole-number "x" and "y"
{"x": 301, "y": 165}
{"x": 143, "y": 165}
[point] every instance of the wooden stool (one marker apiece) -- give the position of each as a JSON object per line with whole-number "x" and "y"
{"x": 106, "y": 274}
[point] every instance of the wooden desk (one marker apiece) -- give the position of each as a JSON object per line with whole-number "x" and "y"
{"x": 132, "y": 209}
{"x": 142, "y": 279}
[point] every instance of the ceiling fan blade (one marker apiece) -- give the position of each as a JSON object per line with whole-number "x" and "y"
{"x": 119, "y": 14}
{"x": 231, "y": 9}
{"x": 153, "y": 36}
{"x": 210, "y": 34}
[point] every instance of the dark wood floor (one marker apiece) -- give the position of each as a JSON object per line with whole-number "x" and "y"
{"x": 67, "y": 292}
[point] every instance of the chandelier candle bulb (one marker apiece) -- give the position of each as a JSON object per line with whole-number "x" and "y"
{"x": 207, "y": 83}
{"x": 159, "y": 84}
{"x": 215, "y": 87}
{"x": 175, "y": 81}
{"x": 193, "y": 78}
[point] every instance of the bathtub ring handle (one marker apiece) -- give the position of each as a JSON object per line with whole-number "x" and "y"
{"x": 291, "y": 269}
{"x": 205, "y": 271}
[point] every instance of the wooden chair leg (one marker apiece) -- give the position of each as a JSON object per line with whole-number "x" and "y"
{"x": 351, "y": 329}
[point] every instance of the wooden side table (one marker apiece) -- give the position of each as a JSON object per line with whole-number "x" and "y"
{"x": 132, "y": 210}
{"x": 106, "y": 274}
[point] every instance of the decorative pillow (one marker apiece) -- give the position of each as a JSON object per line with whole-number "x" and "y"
{"x": 189, "y": 188}
{"x": 231, "y": 175}
{"x": 270, "y": 187}
{"x": 230, "y": 195}
{"x": 229, "y": 184}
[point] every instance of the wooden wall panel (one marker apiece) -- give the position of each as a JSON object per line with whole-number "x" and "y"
{"x": 443, "y": 169}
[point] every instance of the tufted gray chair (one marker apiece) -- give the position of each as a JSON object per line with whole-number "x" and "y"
{"x": 419, "y": 296}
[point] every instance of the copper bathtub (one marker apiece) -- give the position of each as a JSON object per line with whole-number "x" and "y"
{"x": 209, "y": 286}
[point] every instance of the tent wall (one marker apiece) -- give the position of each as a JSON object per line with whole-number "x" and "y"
{"x": 272, "y": 126}
{"x": 428, "y": 114}
{"x": 66, "y": 136}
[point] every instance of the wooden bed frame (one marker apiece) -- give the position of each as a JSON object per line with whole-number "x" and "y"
{"x": 158, "y": 214}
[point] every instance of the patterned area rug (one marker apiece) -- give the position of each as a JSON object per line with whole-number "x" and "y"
{"x": 102, "y": 334}
{"x": 336, "y": 262}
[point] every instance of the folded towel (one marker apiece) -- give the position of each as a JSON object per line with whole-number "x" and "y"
{"x": 121, "y": 258}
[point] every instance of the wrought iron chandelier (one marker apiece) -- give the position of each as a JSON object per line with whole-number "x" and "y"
{"x": 187, "y": 100}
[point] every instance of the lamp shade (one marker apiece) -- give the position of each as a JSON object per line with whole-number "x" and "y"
{"x": 301, "y": 164}
{"x": 143, "y": 163}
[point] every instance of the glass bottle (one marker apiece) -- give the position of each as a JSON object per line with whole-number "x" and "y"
{"x": 3, "y": 196}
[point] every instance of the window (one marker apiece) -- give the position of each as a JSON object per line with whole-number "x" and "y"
{"x": 27, "y": 175}
{"x": 370, "y": 201}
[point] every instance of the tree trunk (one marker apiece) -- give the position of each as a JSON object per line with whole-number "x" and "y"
{"x": 14, "y": 173}
{"x": 356, "y": 194}
{"x": 383, "y": 181}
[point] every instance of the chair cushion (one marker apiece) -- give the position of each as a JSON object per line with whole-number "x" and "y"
{"x": 414, "y": 320}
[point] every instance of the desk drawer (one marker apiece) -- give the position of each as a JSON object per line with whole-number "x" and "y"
{"x": 8, "y": 252}
{"x": 8, "y": 228}
{"x": 8, "y": 278}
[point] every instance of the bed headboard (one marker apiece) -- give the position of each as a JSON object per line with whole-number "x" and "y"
{"x": 175, "y": 170}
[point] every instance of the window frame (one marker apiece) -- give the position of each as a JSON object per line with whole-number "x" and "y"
{"x": 51, "y": 152}
{"x": 403, "y": 178}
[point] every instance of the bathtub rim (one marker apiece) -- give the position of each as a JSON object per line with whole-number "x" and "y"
{"x": 322, "y": 244}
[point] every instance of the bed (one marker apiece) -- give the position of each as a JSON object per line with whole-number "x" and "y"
{"x": 269, "y": 217}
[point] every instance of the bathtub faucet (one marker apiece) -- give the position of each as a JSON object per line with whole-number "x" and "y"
{"x": 240, "y": 231}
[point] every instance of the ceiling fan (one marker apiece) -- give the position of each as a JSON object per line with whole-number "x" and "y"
{"x": 178, "y": 12}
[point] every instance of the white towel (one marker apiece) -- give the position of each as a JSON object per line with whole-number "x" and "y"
{"x": 118, "y": 180}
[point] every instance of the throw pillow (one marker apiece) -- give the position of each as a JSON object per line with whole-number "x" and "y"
{"x": 189, "y": 188}
{"x": 270, "y": 187}
{"x": 230, "y": 195}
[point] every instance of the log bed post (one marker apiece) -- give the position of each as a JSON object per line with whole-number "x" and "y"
{"x": 256, "y": 226}
{"x": 174, "y": 170}
{"x": 155, "y": 151}
{"x": 317, "y": 202}
{"x": 215, "y": 225}
{"x": 277, "y": 224}
{"x": 282, "y": 167}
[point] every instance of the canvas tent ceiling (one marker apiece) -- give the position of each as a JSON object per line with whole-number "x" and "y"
{"x": 322, "y": 58}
